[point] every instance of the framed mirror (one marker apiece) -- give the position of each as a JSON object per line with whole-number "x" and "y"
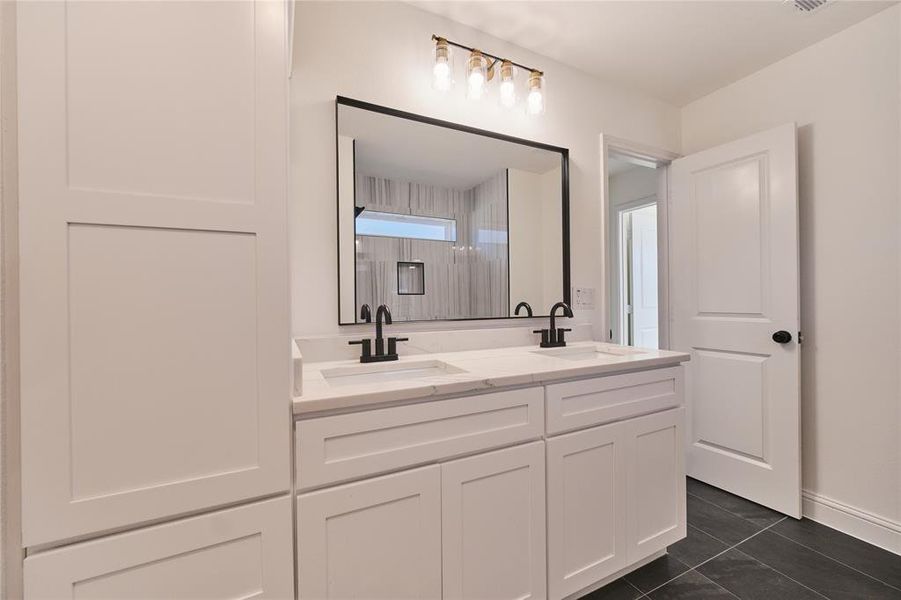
{"x": 441, "y": 221}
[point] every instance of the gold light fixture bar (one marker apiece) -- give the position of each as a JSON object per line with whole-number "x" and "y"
{"x": 494, "y": 58}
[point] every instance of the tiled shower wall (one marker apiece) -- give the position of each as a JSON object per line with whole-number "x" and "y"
{"x": 467, "y": 278}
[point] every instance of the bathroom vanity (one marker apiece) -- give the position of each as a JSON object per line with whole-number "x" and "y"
{"x": 503, "y": 473}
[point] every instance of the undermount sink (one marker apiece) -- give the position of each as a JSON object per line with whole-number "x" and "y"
{"x": 588, "y": 352}
{"x": 397, "y": 371}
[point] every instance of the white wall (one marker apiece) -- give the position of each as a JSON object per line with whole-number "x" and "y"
{"x": 525, "y": 239}
{"x": 633, "y": 184}
{"x": 379, "y": 52}
{"x": 536, "y": 248}
{"x": 843, "y": 93}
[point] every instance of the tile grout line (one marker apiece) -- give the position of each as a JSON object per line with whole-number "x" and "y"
{"x": 835, "y": 560}
{"x": 634, "y": 587}
{"x": 711, "y": 503}
{"x": 714, "y": 556}
{"x": 775, "y": 570}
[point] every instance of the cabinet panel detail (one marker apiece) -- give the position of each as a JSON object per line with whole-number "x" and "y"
{"x": 578, "y": 404}
{"x": 342, "y": 447}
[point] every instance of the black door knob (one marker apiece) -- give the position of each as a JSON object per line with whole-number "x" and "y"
{"x": 782, "y": 337}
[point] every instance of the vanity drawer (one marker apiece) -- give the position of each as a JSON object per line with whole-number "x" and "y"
{"x": 577, "y": 404}
{"x": 350, "y": 446}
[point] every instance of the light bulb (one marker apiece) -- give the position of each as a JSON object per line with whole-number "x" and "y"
{"x": 476, "y": 70}
{"x": 508, "y": 88}
{"x": 442, "y": 70}
{"x": 476, "y": 84}
{"x": 441, "y": 79}
{"x": 535, "y": 99}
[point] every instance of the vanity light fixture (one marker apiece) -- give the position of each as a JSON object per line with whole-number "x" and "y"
{"x": 480, "y": 69}
{"x": 476, "y": 75}
{"x": 535, "y": 100}
{"x": 443, "y": 69}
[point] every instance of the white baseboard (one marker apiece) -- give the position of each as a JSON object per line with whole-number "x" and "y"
{"x": 855, "y": 522}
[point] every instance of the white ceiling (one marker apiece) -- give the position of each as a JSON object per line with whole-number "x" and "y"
{"x": 675, "y": 50}
{"x": 405, "y": 150}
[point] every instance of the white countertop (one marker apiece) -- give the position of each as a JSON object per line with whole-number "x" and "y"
{"x": 467, "y": 371}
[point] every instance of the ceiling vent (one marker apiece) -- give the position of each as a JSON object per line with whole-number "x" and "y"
{"x": 806, "y": 7}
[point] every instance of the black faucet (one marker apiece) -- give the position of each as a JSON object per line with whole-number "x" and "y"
{"x": 524, "y": 305}
{"x": 382, "y": 316}
{"x": 554, "y": 337}
{"x": 366, "y": 314}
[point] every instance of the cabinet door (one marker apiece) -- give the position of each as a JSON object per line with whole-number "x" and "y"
{"x": 374, "y": 539}
{"x": 242, "y": 552}
{"x": 656, "y": 485}
{"x": 154, "y": 288}
{"x": 493, "y": 525}
{"x": 587, "y": 507}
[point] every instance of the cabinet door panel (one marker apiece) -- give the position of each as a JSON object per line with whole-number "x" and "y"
{"x": 242, "y": 552}
{"x": 154, "y": 291}
{"x": 493, "y": 525}
{"x": 378, "y": 538}
{"x": 656, "y": 483}
{"x": 586, "y": 507}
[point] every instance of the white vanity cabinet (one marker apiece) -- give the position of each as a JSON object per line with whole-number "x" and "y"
{"x": 616, "y": 495}
{"x": 487, "y": 498}
{"x": 476, "y": 523}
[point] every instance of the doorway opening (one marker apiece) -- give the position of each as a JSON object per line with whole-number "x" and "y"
{"x": 634, "y": 249}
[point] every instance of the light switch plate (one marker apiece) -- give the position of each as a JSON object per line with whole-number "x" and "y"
{"x": 583, "y": 298}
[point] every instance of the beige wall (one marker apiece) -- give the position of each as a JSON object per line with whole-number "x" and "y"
{"x": 380, "y": 52}
{"x": 10, "y": 505}
{"x": 843, "y": 93}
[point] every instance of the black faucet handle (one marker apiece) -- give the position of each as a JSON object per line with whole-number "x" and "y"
{"x": 561, "y": 338}
{"x": 367, "y": 347}
{"x": 545, "y": 335}
{"x": 392, "y": 344}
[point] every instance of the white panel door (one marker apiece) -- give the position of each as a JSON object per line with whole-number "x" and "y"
{"x": 586, "y": 508}
{"x": 493, "y": 525}
{"x": 733, "y": 285}
{"x": 242, "y": 552}
{"x": 645, "y": 326}
{"x": 656, "y": 482}
{"x": 154, "y": 293}
{"x": 373, "y": 539}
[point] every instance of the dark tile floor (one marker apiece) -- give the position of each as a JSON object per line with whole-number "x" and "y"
{"x": 738, "y": 549}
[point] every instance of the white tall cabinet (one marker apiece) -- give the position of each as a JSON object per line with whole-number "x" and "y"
{"x": 154, "y": 296}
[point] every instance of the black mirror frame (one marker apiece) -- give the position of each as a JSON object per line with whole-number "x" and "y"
{"x": 564, "y": 172}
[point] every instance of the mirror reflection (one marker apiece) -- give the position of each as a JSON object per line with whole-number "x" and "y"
{"x": 441, "y": 223}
